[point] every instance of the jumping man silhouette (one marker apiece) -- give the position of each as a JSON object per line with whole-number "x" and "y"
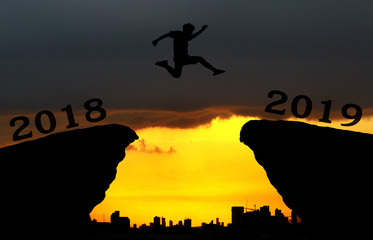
{"x": 181, "y": 56}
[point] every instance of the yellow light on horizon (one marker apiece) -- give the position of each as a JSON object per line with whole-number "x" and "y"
{"x": 207, "y": 172}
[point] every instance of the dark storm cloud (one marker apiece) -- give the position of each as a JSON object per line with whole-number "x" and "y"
{"x": 266, "y": 28}
{"x": 304, "y": 28}
{"x": 66, "y": 29}
{"x": 55, "y": 53}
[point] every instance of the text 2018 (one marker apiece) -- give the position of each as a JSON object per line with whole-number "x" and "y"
{"x": 358, "y": 113}
{"x": 92, "y": 105}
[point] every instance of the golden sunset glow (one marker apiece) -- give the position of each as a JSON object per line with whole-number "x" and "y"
{"x": 197, "y": 173}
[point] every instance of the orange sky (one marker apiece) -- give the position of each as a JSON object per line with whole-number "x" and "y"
{"x": 197, "y": 173}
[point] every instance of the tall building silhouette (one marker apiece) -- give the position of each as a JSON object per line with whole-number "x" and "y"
{"x": 157, "y": 221}
{"x": 118, "y": 221}
{"x": 237, "y": 216}
{"x": 264, "y": 211}
{"x": 188, "y": 223}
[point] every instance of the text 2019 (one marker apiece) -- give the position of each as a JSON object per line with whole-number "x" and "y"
{"x": 274, "y": 107}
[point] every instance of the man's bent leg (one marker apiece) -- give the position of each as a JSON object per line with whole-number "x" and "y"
{"x": 175, "y": 72}
{"x": 197, "y": 59}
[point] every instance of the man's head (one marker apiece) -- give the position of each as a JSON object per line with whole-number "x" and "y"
{"x": 188, "y": 28}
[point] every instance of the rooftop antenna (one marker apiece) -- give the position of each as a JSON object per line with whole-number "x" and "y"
{"x": 246, "y": 208}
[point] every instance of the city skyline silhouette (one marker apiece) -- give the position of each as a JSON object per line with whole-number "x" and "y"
{"x": 255, "y": 223}
{"x": 237, "y": 218}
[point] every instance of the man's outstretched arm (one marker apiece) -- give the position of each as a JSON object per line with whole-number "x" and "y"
{"x": 155, "y": 42}
{"x": 204, "y": 27}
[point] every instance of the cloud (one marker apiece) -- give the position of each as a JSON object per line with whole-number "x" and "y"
{"x": 142, "y": 146}
{"x": 66, "y": 55}
{"x": 138, "y": 119}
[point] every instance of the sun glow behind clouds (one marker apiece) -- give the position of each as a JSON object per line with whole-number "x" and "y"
{"x": 207, "y": 172}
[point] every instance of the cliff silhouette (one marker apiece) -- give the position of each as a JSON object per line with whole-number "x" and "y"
{"x": 53, "y": 183}
{"x": 323, "y": 174}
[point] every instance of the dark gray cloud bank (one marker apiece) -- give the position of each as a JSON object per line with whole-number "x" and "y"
{"x": 55, "y": 53}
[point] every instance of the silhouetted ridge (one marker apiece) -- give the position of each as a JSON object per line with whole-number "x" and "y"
{"x": 323, "y": 174}
{"x": 54, "y": 182}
